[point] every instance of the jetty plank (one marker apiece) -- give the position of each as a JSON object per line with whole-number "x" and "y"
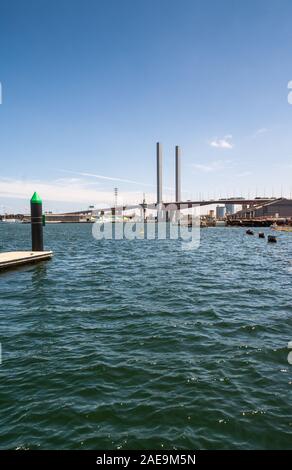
{"x": 12, "y": 259}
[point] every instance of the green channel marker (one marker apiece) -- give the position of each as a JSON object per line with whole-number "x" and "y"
{"x": 36, "y": 218}
{"x": 36, "y": 198}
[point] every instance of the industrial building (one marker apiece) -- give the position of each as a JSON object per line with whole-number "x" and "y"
{"x": 279, "y": 208}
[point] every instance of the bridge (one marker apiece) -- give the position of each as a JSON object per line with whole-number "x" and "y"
{"x": 179, "y": 204}
{"x": 166, "y": 206}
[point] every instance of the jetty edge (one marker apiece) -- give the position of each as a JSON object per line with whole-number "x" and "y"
{"x": 13, "y": 259}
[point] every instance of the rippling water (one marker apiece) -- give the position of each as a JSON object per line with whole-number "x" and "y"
{"x": 134, "y": 344}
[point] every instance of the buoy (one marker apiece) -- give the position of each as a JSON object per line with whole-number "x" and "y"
{"x": 262, "y": 235}
{"x": 272, "y": 239}
{"x": 249, "y": 232}
{"x": 37, "y": 223}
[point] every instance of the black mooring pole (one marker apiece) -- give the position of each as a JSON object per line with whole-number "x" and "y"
{"x": 36, "y": 213}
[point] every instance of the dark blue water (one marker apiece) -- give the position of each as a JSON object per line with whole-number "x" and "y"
{"x": 134, "y": 344}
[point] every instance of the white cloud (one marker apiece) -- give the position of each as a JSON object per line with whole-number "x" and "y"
{"x": 224, "y": 143}
{"x": 70, "y": 190}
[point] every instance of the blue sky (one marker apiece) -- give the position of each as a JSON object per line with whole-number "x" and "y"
{"x": 90, "y": 86}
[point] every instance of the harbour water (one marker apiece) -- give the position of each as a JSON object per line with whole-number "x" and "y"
{"x": 135, "y": 344}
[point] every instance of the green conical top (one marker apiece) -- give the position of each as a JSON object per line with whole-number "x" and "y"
{"x": 35, "y": 198}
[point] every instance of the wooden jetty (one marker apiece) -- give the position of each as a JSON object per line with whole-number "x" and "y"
{"x": 12, "y": 259}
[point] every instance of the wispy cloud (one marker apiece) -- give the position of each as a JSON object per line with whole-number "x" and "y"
{"x": 217, "y": 165}
{"x": 112, "y": 178}
{"x": 223, "y": 143}
{"x": 260, "y": 131}
{"x": 243, "y": 174}
{"x": 107, "y": 178}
